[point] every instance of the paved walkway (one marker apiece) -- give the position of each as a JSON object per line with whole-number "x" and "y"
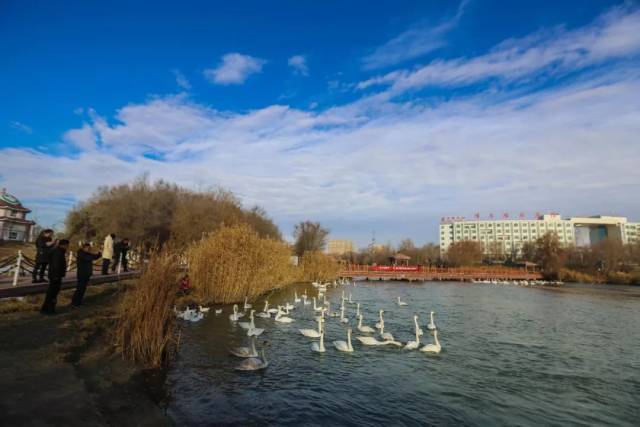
{"x": 25, "y": 287}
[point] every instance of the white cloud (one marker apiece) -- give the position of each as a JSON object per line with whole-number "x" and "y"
{"x": 396, "y": 166}
{"x": 377, "y": 163}
{"x": 417, "y": 41}
{"x": 21, "y": 127}
{"x": 234, "y": 68}
{"x": 181, "y": 80}
{"x": 613, "y": 35}
{"x": 299, "y": 65}
{"x": 83, "y": 138}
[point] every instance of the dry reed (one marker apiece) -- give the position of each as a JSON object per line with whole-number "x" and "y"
{"x": 317, "y": 266}
{"x": 234, "y": 262}
{"x": 145, "y": 325}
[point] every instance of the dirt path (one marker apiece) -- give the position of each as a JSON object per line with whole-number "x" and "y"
{"x": 61, "y": 370}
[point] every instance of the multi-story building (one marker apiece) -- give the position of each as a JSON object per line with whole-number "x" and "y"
{"x": 14, "y": 225}
{"x": 339, "y": 247}
{"x": 506, "y": 236}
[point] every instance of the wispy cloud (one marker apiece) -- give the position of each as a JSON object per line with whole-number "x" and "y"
{"x": 181, "y": 80}
{"x": 234, "y": 68}
{"x": 299, "y": 65}
{"x": 553, "y": 51}
{"x": 21, "y": 127}
{"x": 417, "y": 41}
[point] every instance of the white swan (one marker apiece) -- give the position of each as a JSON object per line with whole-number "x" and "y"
{"x": 288, "y": 306}
{"x": 401, "y": 303}
{"x": 235, "y": 316}
{"x": 253, "y": 331}
{"x": 247, "y": 306}
{"x": 431, "y": 326}
{"x": 358, "y": 310}
{"x": 265, "y": 314}
{"x": 245, "y": 351}
{"x": 305, "y": 300}
{"x": 254, "y": 363}
{"x": 217, "y": 312}
{"x": 249, "y": 324}
{"x": 282, "y": 319}
{"x": 312, "y": 333}
{"x": 350, "y": 301}
{"x": 385, "y": 335}
{"x": 365, "y": 329}
{"x": 342, "y": 318}
{"x": 204, "y": 309}
{"x": 412, "y": 345}
{"x": 433, "y": 348}
{"x": 295, "y": 297}
{"x": 344, "y": 346}
{"x": 373, "y": 341}
{"x": 315, "y": 306}
{"x": 379, "y": 324}
{"x": 318, "y": 346}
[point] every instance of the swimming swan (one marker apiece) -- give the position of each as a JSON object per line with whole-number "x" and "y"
{"x": 265, "y": 314}
{"x": 401, "y": 303}
{"x": 245, "y": 351}
{"x": 254, "y": 363}
{"x": 282, "y": 319}
{"x": 248, "y": 325}
{"x": 246, "y": 305}
{"x": 365, "y": 329}
{"x": 204, "y": 309}
{"x": 412, "y": 345}
{"x": 312, "y": 333}
{"x": 431, "y": 326}
{"x": 379, "y": 324}
{"x": 433, "y": 348}
{"x": 342, "y": 318}
{"x": 235, "y": 316}
{"x": 344, "y": 346}
{"x": 385, "y": 335}
{"x": 373, "y": 341}
{"x": 318, "y": 346}
{"x": 295, "y": 297}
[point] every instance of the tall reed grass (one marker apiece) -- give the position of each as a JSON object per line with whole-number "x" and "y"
{"x": 234, "y": 262}
{"x": 145, "y": 328}
{"x": 317, "y": 266}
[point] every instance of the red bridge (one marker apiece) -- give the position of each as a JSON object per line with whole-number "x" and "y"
{"x": 419, "y": 273}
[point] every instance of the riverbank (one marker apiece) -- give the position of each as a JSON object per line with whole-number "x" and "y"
{"x": 63, "y": 370}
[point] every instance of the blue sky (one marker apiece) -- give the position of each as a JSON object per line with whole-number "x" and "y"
{"x": 366, "y": 116}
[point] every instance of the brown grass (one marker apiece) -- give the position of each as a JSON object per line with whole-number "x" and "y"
{"x": 317, "y": 266}
{"x": 234, "y": 262}
{"x": 145, "y": 321}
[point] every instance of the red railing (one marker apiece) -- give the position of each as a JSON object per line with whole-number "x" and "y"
{"x": 437, "y": 273}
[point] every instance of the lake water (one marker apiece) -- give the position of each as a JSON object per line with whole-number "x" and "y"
{"x": 511, "y": 356}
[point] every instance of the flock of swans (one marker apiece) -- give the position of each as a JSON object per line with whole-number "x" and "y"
{"x": 371, "y": 336}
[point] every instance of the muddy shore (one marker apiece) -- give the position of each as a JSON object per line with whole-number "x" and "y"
{"x": 63, "y": 370}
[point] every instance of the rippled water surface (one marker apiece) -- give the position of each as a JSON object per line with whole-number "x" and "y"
{"x": 511, "y": 355}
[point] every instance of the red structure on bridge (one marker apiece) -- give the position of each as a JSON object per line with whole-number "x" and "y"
{"x": 419, "y": 273}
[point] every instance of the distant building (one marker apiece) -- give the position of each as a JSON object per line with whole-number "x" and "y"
{"x": 14, "y": 225}
{"x": 507, "y": 236}
{"x": 339, "y": 247}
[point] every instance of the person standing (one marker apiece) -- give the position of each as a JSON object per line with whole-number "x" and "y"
{"x": 57, "y": 270}
{"x": 107, "y": 252}
{"x": 120, "y": 250}
{"x": 85, "y": 260}
{"x": 44, "y": 242}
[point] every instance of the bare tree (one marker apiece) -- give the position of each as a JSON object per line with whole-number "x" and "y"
{"x": 310, "y": 236}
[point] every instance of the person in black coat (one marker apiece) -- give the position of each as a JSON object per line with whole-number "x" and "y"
{"x": 44, "y": 242}
{"x": 120, "y": 250}
{"x": 85, "y": 260}
{"x": 57, "y": 270}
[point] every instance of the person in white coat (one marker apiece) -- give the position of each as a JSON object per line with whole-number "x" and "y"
{"x": 107, "y": 252}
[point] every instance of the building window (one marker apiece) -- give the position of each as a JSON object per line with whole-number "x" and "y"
{"x": 13, "y": 235}
{"x": 13, "y": 213}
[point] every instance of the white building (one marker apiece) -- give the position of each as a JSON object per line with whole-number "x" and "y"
{"x": 507, "y": 236}
{"x": 14, "y": 225}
